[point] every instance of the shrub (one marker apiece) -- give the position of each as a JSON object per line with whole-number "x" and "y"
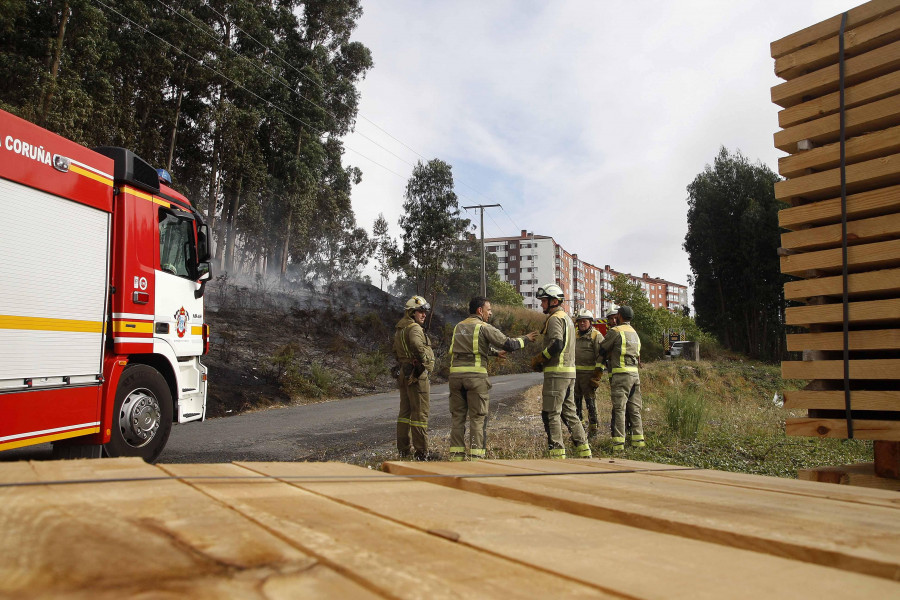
{"x": 685, "y": 412}
{"x": 370, "y": 366}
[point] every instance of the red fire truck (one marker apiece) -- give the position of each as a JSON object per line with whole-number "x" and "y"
{"x": 102, "y": 273}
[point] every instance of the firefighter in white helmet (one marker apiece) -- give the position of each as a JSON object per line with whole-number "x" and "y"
{"x": 416, "y": 358}
{"x": 557, "y": 361}
{"x": 588, "y": 367}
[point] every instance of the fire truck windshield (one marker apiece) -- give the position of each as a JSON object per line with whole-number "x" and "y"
{"x": 176, "y": 244}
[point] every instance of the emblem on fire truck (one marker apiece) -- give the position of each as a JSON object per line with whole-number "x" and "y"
{"x": 181, "y": 319}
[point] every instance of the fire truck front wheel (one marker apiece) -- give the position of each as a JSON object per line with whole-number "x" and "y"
{"x": 142, "y": 415}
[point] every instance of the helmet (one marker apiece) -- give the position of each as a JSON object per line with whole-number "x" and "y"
{"x": 584, "y": 313}
{"x": 550, "y": 290}
{"x": 613, "y": 310}
{"x": 417, "y": 303}
{"x": 626, "y": 312}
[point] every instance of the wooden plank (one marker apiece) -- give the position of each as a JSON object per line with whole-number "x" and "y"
{"x": 882, "y": 368}
{"x": 741, "y": 480}
{"x": 138, "y": 534}
{"x": 649, "y": 564}
{"x": 858, "y": 232}
{"x": 869, "y": 339}
{"x": 880, "y": 32}
{"x": 862, "y": 475}
{"x": 379, "y": 554}
{"x": 886, "y": 282}
{"x": 862, "y": 93}
{"x": 866, "y": 204}
{"x": 874, "y": 116}
{"x": 861, "y": 177}
{"x": 860, "y": 313}
{"x": 765, "y": 522}
{"x": 869, "y": 257}
{"x": 834, "y": 400}
{"x": 856, "y": 17}
{"x": 887, "y": 459}
{"x": 872, "y": 64}
{"x": 837, "y": 428}
{"x": 859, "y": 148}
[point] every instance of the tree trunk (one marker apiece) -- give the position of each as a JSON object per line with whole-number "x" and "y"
{"x": 54, "y": 65}
{"x": 175, "y": 123}
{"x": 285, "y": 249}
{"x": 231, "y": 226}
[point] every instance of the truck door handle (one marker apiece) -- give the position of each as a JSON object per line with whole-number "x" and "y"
{"x": 141, "y": 297}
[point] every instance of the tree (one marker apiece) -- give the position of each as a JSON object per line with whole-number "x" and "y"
{"x": 732, "y": 243}
{"x": 502, "y": 292}
{"x": 385, "y": 249}
{"x": 432, "y": 228}
{"x": 626, "y": 293}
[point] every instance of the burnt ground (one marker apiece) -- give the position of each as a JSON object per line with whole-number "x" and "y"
{"x": 272, "y": 346}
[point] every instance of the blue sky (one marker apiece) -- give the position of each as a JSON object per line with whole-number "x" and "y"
{"x": 585, "y": 119}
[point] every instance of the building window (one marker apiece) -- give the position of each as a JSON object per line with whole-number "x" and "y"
{"x": 512, "y": 270}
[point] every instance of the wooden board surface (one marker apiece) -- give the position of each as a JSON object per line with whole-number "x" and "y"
{"x": 837, "y": 428}
{"x": 862, "y": 475}
{"x": 857, "y": 40}
{"x": 862, "y": 231}
{"x": 862, "y": 205}
{"x": 860, "y": 148}
{"x": 859, "y": 313}
{"x": 871, "y": 283}
{"x": 869, "y": 339}
{"x": 882, "y": 368}
{"x": 872, "y": 64}
{"x": 823, "y": 30}
{"x": 861, "y": 177}
{"x": 870, "y": 90}
{"x": 834, "y": 400}
{"x": 727, "y": 515}
{"x": 883, "y": 114}
{"x": 868, "y": 257}
{"x": 120, "y": 528}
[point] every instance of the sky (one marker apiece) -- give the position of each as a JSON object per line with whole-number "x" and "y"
{"x": 585, "y": 119}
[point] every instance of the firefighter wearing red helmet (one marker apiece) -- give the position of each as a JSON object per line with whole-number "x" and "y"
{"x": 416, "y": 358}
{"x": 557, "y": 361}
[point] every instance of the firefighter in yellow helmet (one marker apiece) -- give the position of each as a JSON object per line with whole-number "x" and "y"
{"x": 474, "y": 339}
{"x": 416, "y": 358}
{"x": 557, "y": 361}
{"x": 623, "y": 347}
{"x": 588, "y": 367}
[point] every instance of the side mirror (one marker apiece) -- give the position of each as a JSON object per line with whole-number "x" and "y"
{"x": 203, "y": 253}
{"x": 204, "y": 274}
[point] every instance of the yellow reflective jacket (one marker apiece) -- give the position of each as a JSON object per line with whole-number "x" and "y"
{"x": 411, "y": 345}
{"x": 473, "y": 341}
{"x": 559, "y": 345}
{"x": 622, "y": 347}
{"x": 587, "y": 350}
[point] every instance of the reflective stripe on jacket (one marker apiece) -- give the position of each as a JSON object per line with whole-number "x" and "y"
{"x": 587, "y": 350}
{"x": 559, "y": 348}
{"x": 623, "y": 348}
{"x": 473, "y": 341}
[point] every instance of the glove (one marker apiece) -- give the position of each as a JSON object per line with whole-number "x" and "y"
{"x": 418, "y": 369}
{"x": 537, "y": 362}
{"x": 596, "y": 379}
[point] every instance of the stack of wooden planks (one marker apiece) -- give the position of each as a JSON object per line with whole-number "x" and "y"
{"x": 810, "y": 122}
{"x": 593, "y": 528}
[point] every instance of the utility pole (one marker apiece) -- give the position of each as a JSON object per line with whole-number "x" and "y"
{"x": 483, "y": 273}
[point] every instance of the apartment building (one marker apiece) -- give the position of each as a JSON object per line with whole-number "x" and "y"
{"x": 529, "y": 260}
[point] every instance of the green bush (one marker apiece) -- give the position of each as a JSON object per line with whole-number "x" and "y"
{"x": 370, "y": 366}
{"x": 685, "y": 412}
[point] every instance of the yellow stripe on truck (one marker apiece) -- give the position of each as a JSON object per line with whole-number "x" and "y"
{"x": 45, "y": 324}
{"x": 89, "y": 174}
{"x": 48, "y": 438}
{"x": 132, "y": 327}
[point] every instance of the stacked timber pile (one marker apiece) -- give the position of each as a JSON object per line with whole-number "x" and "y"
{"x": 592, "y": 528}
{"x": 814, "y": 112}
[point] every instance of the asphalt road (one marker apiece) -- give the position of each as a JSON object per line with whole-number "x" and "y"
{"x": 332, "y": 430}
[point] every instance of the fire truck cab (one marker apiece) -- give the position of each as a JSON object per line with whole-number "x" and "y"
{"x": 102, "y": 273}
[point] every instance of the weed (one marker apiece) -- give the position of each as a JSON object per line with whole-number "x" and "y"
{"x": 370, "y": 366}
{"x": 685, "y": 412}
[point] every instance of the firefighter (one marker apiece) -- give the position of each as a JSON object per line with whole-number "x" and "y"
{"x": 474, "y": 339}
{"x": 588, "y": 367}
{"x": 557, "y": 361}
{"x": 416, "y": 358}
{"x": 623, "y": 347}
